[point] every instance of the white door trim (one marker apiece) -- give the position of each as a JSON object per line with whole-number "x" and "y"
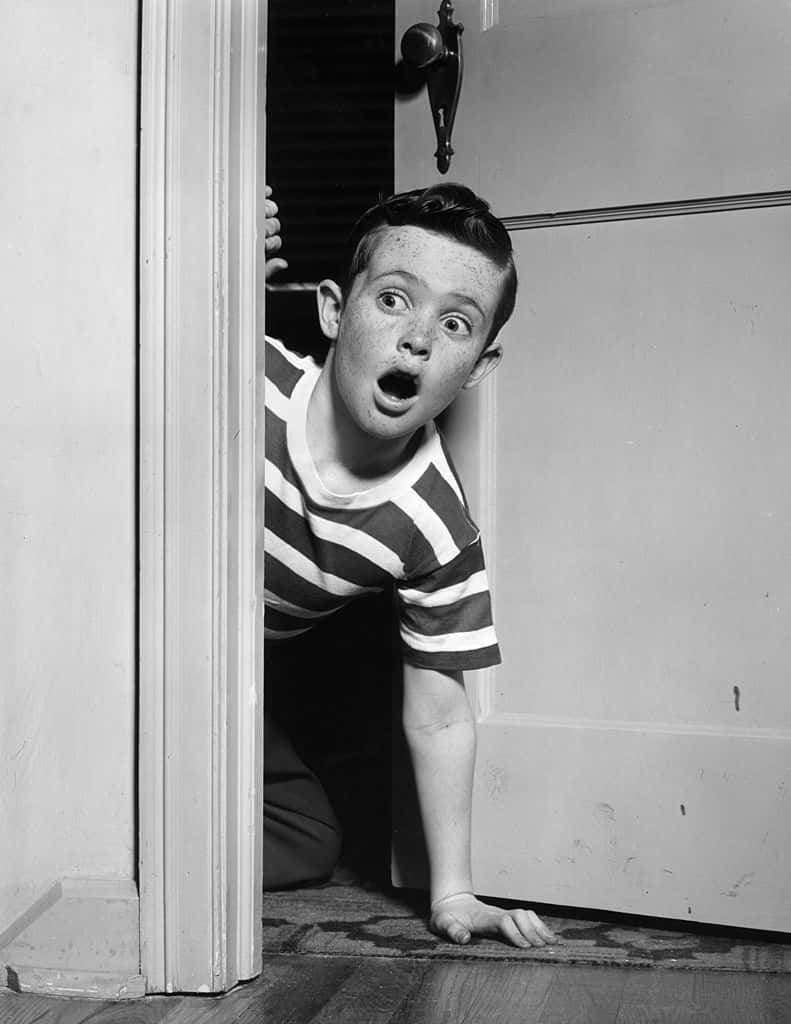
{"x": 200, "y": 741}
{"x": 480, "y": 684}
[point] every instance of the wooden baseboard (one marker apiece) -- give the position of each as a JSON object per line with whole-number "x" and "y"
{"x": 81, "y": 938}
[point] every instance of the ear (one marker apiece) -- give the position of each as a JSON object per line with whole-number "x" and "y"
{"x": 329, "y": 299}
{"x": 487, "y": 361}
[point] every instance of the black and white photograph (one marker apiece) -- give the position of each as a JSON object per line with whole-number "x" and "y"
{"x": 396, "y": 487}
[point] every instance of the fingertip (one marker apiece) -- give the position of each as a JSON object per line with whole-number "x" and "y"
{"x": 454, "y": 932}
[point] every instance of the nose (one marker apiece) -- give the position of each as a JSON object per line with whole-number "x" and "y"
{"x": 416, "y": 340}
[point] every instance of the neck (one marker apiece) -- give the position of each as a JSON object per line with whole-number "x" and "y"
{"x": 347, "y": 458}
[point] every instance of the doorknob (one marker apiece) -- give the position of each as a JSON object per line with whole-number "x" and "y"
{"x": 422, "y": 45}
{"x": 437, "y": 50}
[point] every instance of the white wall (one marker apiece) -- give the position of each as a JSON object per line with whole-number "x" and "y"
{"x": 68, "y": 124}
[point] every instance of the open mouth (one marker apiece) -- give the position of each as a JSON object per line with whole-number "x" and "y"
{"x": 398, "y": 385}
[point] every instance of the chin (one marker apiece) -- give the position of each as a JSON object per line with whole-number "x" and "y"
{"x": 385, "y": 429}
{"x": 392, "y": 434}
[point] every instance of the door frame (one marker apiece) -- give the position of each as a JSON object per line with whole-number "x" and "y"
{"x": 200, "y": 671}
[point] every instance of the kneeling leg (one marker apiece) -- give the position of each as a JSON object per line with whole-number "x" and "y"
{"x": 302, "y": 837}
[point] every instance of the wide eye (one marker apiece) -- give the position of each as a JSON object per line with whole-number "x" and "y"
{"x": 456, "y": 324}
{"x": 392, "y": 301}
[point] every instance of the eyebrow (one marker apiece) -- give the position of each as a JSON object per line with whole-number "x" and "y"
{"x": 458, "y": 296}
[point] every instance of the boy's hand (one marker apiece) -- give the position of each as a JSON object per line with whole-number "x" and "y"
{"x": 272, "y": 241}
{"x": 460, "y": 917}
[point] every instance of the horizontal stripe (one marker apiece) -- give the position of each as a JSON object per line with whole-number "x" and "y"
{"x": 457, "y": 661}
{"x": 280, "y": 579}
{"x": 283, "y": 622}
{"x": 273, "y": 601}
{"x": 391, "y": 525}
{"x": 276, "y": 437}
{"x": 465, "y": 616}
{"x": 467, "y": 562}
{"x": 448, "y": 470}
{"x": 282, "y": 366}
{"x": 309, "y": 571}
{"x": 449, "y": 641}
{"x": 355, "y": 540}
{"x": 430, "y": 525}
{"x": 276, "y": 401}
{"x": 280, "y": 634}
{"x": 475, "y": 584}
{"x": 439, "y": 495}
{"x": 337, "y": 560}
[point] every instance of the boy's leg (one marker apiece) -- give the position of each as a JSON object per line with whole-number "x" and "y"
{"x": 302, "y": 837}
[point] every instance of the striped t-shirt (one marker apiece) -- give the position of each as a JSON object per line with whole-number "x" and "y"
{"x": 412, "y": 531}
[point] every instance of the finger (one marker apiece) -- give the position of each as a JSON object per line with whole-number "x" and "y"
{"x": 526, "y": 923}
{"x": 507, "y": 927}
{"x": 273, "y": 243}
{"x": 268, "y": 190}
{"x": 445, "y": 924}
{"x": 273, "y": 266}
{"x": 272, "y": 226}
{"x": 543, "y": 930}
{"x": 270, "y": 208}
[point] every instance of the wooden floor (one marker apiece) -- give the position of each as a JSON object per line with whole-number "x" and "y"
{"x": 297, "y": 989}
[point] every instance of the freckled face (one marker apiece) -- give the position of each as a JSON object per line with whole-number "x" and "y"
{"x": 414, "y": 330}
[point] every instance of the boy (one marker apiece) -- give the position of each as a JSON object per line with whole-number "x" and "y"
{"x": 361, "y": 495}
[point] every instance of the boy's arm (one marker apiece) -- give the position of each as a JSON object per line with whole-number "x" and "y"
{"x": 440, "y": 733}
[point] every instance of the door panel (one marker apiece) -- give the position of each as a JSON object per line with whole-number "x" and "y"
{"x": 642, "y": 456}
{"x": 688, "y": 825}
{"x": 590, "y": 103}
{"x": 639, "y": 728}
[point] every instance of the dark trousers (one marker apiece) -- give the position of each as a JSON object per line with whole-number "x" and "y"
{"x": 327, "y": 715}
{"x": 302, "y": 837}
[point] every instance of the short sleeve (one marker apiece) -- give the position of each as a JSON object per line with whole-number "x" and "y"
{"x": 446, "y": 616}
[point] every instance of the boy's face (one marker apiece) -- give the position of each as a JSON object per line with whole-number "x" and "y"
{"x": 413, "y": 331}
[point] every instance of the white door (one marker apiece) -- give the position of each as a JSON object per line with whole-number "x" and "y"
{"x": 631, "y": 475}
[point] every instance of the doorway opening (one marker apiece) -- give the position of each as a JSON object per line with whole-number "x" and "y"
{"x": 330, "y": 117}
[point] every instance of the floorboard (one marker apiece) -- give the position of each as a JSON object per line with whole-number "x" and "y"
{"x": 26, "y": 1008}
{"x": 468, "y": 993}
{"x": 584, "y": 995}
{"x": 320, "y": 989}
{"x": 224, "y": 1009}
{"x": 376, "y": 992}
{"x": 299, "y": 994}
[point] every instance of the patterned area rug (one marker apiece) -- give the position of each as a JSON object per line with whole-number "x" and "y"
{"x": 351, "y": 920}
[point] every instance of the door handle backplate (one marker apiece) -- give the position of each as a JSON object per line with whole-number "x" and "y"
{"x": 436, "y": 50}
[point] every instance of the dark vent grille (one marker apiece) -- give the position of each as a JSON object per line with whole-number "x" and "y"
{"x": 329, "y": 122}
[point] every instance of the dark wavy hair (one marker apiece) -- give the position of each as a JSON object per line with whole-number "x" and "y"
{"x": 448, "y": 209}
